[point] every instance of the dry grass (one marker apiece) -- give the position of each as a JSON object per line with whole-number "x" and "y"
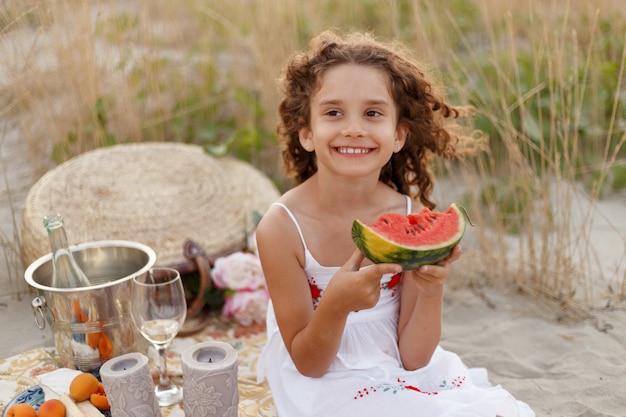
{"x": 546, "y": 77}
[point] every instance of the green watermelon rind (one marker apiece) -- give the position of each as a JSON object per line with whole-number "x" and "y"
{"x": 380, "y": 250}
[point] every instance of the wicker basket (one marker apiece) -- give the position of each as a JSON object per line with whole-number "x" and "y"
{"x": 160, "y": 194}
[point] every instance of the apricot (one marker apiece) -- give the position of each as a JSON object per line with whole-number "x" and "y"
{"x": 99, "y": 399}
{"x": 51, "y": 408}
{"x": 82, "y": 386}
{"x": 93, "y": 339}
{"x": 21, "y": 410}
{"x": 105, "y": 347}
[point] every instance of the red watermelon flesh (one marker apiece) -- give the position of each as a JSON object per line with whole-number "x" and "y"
{"x": 418, "y": 229}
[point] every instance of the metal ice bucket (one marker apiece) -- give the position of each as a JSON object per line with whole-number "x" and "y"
{"x": 91, "y": 324}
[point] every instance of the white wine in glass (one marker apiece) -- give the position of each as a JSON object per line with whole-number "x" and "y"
{"x": 158, "y": 310}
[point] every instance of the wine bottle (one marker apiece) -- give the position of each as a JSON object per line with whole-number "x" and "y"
{"x": 65, "y": 270}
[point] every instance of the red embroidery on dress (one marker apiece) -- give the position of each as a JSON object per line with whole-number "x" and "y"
{"x": 392, "y": 284}
{"x": 316, "y": 292}
{"x": 401, "y": 385}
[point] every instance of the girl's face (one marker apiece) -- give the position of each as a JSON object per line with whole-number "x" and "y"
{"x": 353, "y": 128}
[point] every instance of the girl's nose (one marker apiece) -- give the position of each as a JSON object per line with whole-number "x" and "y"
{"x": 353, "y": 128}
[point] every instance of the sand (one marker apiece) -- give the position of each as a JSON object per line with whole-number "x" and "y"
{"x": 560, "y": 370}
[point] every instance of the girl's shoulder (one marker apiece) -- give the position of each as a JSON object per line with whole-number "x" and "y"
{"x": 396, "y": 202}
{"x": 279, "y": 216}
{"x": 296, "y": 198}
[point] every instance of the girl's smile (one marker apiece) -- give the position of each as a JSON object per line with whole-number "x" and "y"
{"x": 353, "y": 151}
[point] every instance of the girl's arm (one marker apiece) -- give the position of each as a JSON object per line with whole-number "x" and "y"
{"x": 312, "y": 337}
{"x": 419, "y": 325}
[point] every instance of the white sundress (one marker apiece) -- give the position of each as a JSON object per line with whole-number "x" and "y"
{"x": 367, "y": 379}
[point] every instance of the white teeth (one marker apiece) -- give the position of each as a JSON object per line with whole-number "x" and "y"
{"x": 353, "y": 150}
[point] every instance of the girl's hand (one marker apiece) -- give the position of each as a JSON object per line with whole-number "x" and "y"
{"x": 356, "y": 289}
{"x": 430, "y": 279}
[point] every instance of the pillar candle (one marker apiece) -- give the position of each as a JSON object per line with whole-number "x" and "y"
{"x": 210, "y": 380}
{"x": 129, "y": 386}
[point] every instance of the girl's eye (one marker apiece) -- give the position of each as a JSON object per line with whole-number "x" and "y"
{"x": 333, "y": 113}
{"x": 373, "y": 113}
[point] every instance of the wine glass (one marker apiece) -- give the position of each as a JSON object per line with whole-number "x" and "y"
{"x": 158, "y": 311}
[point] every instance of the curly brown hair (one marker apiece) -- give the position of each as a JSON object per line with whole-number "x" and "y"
{"x": 420, "y": 105}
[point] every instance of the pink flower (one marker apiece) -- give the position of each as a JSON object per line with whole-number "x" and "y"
{"x": 246, "y": 306}
{"x": 241, "y": 276}
{"x": 238, "y": 271}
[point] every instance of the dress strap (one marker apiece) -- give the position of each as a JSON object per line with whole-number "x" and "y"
{"x": 408, "y": 204}
{"x": 293, "y": 218}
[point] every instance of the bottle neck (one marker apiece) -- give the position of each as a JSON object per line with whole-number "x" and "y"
{"x": 66, "y": 273}
{"x": 58, "y": 240}
{"x": 60, "y": 247}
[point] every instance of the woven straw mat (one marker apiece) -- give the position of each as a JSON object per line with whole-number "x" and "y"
{"x": 158, "y": 194}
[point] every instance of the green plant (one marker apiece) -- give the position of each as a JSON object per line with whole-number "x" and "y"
{"x": 94, "y": 134}
{"x": 619, "y": 177}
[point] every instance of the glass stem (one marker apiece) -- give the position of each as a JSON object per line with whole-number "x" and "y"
{"x": 164, "y": 380}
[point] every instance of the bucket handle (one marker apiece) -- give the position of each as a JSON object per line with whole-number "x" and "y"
{"x": 39, "y": 307}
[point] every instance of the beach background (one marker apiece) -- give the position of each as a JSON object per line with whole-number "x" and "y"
{"x": 538, "y": 298}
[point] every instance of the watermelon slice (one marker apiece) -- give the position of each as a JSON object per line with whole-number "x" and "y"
{"x": 411, "y": 241}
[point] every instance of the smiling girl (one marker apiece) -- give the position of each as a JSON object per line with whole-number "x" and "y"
{"x": 359, "y": 124}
